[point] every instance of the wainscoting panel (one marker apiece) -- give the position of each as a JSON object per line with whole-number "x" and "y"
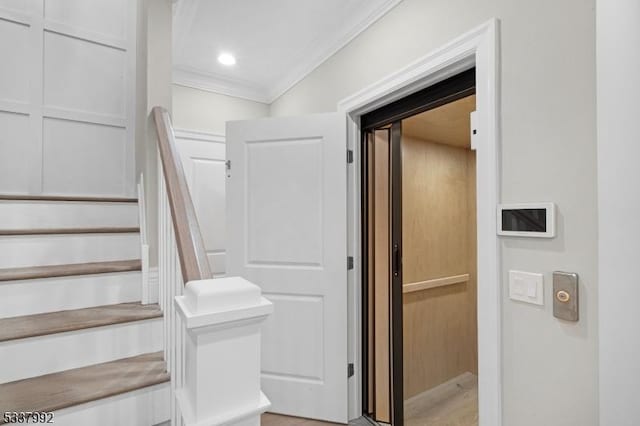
{"x": 67, "y": 97}
{"x": 103, "y": 151}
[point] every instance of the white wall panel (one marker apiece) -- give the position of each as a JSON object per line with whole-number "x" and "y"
{"x": 14, "y": 149}
{"x": 17, "y": 5}
{"x": 106, "y": 17}
{"x": 72, "y": 60}
{"x": 14, "y": 48}
{"x": 83, "y": 76}
{"x": 299, "y": 350}
{"x": 270, "y": 166}
{"x": 83, "y": 158}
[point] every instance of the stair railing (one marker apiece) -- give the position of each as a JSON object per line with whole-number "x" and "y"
{"x": 203, "y": 318}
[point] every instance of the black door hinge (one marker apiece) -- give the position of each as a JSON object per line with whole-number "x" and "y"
{"x": 349, "y": 263}
{"x": 349, "y": 156}
{"x": 350, "y": 370}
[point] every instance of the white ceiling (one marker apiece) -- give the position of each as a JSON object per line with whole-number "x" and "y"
{"x": 276, "y": 42}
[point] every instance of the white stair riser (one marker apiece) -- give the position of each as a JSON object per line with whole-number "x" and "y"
{"x": 52, "y": 353}
{"x": 49, "y": 214}
{"x": 38, "y": 250}
{"x": 29, "y": 297}
{"x": 144, "y": 407}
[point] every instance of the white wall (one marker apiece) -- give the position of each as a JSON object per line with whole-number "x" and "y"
{"x": 67, "y": 97}
{"x": 549, "y": 154}
{"x": 203, "y": 111}
{"x": 618, "y": 38}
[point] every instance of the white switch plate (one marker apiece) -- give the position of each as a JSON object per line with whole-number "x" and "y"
{"x": 526, "y": 287}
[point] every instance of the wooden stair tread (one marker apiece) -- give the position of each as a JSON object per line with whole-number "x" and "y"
{"x": 64, "y": 389}
{"x": 54, "y": 231}
{"x": 50, "y": 271}
{"x": 18, "y": 197}
{"x": 76, "y": 319}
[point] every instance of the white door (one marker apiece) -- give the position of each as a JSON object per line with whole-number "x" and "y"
{"x": 203, "y": 162}
{"x": 287, "y": 233}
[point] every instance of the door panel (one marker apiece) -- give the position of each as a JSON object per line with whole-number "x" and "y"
{"x": 383, "y": 292}
{"x": 286, "y": 211}
{"x": 381, "y": 256}
{"x": 397, "y": 401}
{"x": 204, "y": 168}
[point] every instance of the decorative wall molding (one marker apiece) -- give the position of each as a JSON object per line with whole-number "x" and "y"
{"x": 183, "y": 76}
{"x": 324, "y": 49}
{"x": 198, "y": 135}
{"x": 52, "y": 52}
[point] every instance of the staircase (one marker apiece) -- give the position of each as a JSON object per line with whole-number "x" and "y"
{"x": 75, "y": 338}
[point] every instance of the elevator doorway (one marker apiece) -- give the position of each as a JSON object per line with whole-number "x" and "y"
{"x": 420, "y": 260}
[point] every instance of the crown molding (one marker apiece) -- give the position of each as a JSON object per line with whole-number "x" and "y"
{"x": 197, "y": 79}
{"x": 327, "y": 50}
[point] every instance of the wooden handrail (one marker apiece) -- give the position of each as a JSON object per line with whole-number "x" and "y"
{"x": 191, "y": 251}
{"x": 437, "y": 282}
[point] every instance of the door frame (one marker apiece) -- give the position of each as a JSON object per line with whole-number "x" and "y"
{"x": 480, "y": 48}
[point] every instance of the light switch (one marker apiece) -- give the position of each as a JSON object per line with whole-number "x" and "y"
{"x": 526, "y": 287}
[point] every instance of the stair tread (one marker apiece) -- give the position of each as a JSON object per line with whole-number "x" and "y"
{"x": 68, "y": 388}
{"x": 77, "y": 319}
{"x": 50, "y": 271}
{"x": 50, "y": 231}
{"x": 107, "y": 199}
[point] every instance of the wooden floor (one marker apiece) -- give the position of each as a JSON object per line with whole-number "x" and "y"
{"x": 454, "y": 403}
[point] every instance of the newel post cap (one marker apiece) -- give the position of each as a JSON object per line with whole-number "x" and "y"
{"x": 221, "y": 300}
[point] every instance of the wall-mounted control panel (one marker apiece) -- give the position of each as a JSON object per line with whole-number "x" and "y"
{"x": 565, "y": 296}
{"x": 527, "y": 220}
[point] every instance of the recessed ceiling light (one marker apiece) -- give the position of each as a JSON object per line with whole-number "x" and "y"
{"x": 227, "y": 59}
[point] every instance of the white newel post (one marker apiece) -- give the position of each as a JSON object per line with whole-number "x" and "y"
{"x": 223, "y": 319}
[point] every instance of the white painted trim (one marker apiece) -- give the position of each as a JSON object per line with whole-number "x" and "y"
{"x": 198, "y": 79}
{"x": 144, "y": 246}
{"x": 84, "y": 35}
{"x": 83, "y": 116}
{"x": 198, "y": 135}
{"x": 479, "y": 47}
{"x": 131, "y": 76}
{"x": 15, "y": 16}
{"x": 153, "y": 284}
{"x": 14, "y": 107}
